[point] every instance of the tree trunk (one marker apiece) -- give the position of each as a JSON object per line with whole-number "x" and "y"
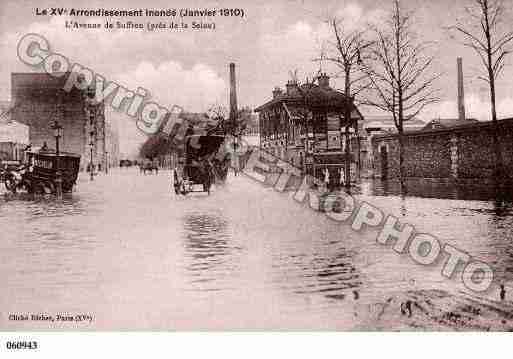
{"x": 498, "y": 166}
{"x": 498, "y": 173}
{"x": 401, "y": 162}
{"x": 358, "y": 149}
{"x": 347, "y": 120}
{"x": 347, "y": 167}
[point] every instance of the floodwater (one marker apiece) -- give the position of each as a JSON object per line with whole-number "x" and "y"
{"x": 129, "y": 254}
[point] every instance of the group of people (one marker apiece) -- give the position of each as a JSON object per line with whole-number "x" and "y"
{"x": 331, "y": 184}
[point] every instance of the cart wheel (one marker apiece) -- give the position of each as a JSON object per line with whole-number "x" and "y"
{"x": 48, "y": 188}
{"x": 10, "y": 185}
{"x": 183, "y": 189}
{"x": 67, "y": 187}
{"x": 39, "y": 188}
{"x": 28, "y": 186}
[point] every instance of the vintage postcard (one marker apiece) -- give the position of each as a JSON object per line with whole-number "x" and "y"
{"x": 287, "y": 165}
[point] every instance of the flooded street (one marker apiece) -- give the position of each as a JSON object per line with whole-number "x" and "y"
{"x": 127, "y": 251}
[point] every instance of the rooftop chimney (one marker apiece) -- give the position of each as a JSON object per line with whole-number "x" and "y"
{"x": 277, "y": 92}
{"x": 233, "y": 93}
{"x": 291, "y": 87}
{"x": 461, "y": 93}
{"x": 324, "y": 81}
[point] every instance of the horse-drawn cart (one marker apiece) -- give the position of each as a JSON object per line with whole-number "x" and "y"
{"x": 201, "y": 166}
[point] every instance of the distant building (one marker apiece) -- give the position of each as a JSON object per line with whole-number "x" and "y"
{"x": 304, "y": 124}
{"x": 112, "y": 156}
{"x": 384, "y": 124}
{"x": 380, "y": 125}
{"x": 252, "y": 126}
{"x": 39, "y": 99}
{"x": 251, "y": 133}
{"x": 446, "y": 123}
{"x": 13, "y": 135}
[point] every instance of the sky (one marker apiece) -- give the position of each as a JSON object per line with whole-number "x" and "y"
{"x": 190, "y": 68}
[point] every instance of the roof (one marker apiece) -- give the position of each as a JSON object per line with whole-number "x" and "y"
{"x": 5, "y": 111}
{"x": 443, "y": 123}
{"x": 387, "y": 121}
{"x": 193, "y": 117}
{"x": 314, "y": 96}
{"x": 51, "y": 153}
{"x": 454, "y": 129}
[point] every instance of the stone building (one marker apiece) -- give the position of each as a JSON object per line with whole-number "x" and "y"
{"x": 304, "y": 126}
{"x": 446, "y": 123}
{"x": 13, "y": 135}
{"x": 111, "y": 145}
{"x": 39, "y": 99}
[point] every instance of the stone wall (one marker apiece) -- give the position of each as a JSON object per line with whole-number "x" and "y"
{"x": 461, "y": 154}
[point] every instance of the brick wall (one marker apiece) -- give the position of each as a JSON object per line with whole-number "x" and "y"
{"x": 462, "y": 154}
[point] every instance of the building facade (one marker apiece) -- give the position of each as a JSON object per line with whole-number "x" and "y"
{"x": 111, "y": 145}
{"x": 304, "y": 125}
{"x": 14, "y": 136}
{"x": 39, "y": 99}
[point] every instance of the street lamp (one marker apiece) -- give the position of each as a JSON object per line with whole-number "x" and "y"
{"x": 91, "y": 144}
{"x": 57, "y": 133}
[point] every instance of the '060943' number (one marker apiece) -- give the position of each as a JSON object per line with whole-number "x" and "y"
{"x": 21, "y": 345}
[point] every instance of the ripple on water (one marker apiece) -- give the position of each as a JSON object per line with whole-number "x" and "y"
{"x": 210, "y": 251}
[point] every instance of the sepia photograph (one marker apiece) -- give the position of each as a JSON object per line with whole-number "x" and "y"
{"x": 262, "y": 166}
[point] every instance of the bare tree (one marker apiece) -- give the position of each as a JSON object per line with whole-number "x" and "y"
{"x": 347, "y": 51}
{"x": 484, "y": 32}
{"x": 399, "y": 72}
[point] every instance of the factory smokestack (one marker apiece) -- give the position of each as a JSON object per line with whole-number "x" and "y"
{"x": 461, "y": 92}
{"x": 233, "y": 93}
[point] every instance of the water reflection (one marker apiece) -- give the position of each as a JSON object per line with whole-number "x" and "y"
{"x": 208, "y": 245}
{"x": 431, "y": 188}
{"x": 35, "y": 206}
{"x": 47, "y": 244}
{"x": 328, "y": 271}
{"x": 245, "y": 257}
{"x": 500, "y": 232}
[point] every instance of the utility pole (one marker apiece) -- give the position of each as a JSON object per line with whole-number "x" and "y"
{"x": 233, "y": 117}
{"x": 91, "y": 143}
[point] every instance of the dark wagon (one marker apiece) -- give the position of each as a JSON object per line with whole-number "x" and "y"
{"x": 200, "y": 168}
{"x": 40, "y": 173}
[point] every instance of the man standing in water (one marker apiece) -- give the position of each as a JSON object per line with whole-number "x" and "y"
{"x": 327, "y": 179}
{"x": 342, "y": 177}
